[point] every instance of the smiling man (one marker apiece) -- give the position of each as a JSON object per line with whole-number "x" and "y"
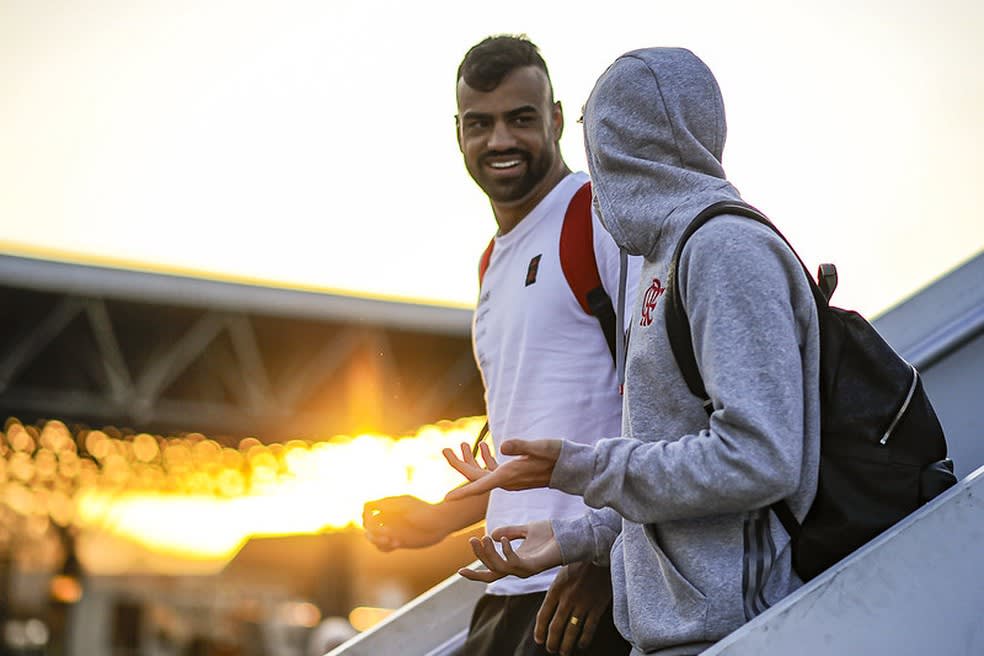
{"x": 509, "y": 136}
{"x": 545, "y": 362}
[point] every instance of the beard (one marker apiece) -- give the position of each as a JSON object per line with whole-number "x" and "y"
{"x": 511, "y": 189}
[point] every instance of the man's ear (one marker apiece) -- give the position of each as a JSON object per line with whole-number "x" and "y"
{"x": 557, "y": 116}
{"x": 457, "y": 131}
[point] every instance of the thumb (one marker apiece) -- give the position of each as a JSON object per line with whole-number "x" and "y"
{"x": 510, "y": 532}
{"x": 537, "y": 448}
{"x": 516, "y": 447}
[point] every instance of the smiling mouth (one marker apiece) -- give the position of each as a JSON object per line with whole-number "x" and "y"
{"x": 505, "y": 160}
{"x": 505, "y": 165}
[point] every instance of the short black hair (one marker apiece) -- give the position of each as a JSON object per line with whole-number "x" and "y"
{"x": 494, "y": 57}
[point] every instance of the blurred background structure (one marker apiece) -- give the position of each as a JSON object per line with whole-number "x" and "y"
{"x": 184, "y": 461}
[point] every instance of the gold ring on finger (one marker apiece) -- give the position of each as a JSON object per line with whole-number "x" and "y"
{"x": 574, "y": 620}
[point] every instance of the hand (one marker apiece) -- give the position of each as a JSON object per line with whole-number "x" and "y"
{"x": 539, "y": 552}
{"x": 403, "y": 522}
{"x": 582, "y": 591}
{"x": 532, "y": 467}
{"x": 467, "y": 466}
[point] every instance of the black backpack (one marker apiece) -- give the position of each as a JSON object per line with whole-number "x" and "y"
{"x": 882, "y": 449}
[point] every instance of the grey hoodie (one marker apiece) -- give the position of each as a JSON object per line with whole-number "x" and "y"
{"x": 683, "y": 498}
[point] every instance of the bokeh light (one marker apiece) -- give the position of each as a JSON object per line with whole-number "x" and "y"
{"x": 190, "y": 497}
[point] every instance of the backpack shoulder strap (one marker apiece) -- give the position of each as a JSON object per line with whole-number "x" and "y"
{"x": 678, "y": 326}
{"x": 580, "y": 266}
{"x": 483, "y": 263}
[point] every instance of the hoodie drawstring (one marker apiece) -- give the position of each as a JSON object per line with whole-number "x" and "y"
{"x": 620, "y": 336}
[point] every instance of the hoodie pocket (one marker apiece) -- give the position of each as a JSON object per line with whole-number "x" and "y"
{"x": 666, "y": 608}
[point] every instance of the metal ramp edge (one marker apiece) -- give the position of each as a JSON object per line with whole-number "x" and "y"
{"x": 433, "y": 624}
{"x": 916, "y": 589}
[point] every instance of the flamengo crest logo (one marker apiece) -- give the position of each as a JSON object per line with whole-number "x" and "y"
{"x": 649, "y": 301}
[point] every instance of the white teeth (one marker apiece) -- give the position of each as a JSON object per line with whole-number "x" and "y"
{"x": 504, "y": 165}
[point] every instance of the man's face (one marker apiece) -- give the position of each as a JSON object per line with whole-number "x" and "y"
{"x": 509, "y": 136}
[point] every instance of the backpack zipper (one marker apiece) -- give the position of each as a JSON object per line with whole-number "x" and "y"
{"x": 905, "y": 406}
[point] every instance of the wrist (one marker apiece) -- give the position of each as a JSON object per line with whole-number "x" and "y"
{"x": 453, "y": 516}
{"x": 573, "y": 468}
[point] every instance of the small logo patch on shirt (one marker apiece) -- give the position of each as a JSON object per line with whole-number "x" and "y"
{"x": 649, "y": 301}
{"x": 531, "y": 271}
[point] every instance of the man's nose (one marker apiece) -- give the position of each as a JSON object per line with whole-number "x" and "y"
{"x": 501, "y": 137}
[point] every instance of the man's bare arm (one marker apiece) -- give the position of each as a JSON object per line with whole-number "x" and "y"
{"x": 406, "y": 522}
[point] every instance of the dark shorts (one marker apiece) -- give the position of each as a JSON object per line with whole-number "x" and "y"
{"x": 503, "y": 626}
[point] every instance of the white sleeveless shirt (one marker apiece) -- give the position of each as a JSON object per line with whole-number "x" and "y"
{"x": 545, "y": 363}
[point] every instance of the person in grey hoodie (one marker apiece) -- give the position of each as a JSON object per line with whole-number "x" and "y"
{"x": 681, "y": 499}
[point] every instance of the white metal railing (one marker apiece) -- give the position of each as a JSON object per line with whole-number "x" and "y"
{"x": 433, "y": 624}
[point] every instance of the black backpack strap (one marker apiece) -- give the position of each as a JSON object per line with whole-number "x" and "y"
{"x": 678, "y": 326}
{"x": 786, "y": 518}
{"x": 481, "y": 436}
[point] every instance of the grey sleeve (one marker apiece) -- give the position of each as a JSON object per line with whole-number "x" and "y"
{"x": 749, "y": 313}
{"x": 588, "y": 537}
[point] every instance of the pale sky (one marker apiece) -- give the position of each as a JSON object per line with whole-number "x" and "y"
{"x": 311, "y": 143}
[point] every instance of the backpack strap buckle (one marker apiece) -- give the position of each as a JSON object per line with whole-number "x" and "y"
{"x": 827, "y": 279}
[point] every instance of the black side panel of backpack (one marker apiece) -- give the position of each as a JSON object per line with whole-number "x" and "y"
{"x": 868, "y": 480}
{"x": 865, "y": 485}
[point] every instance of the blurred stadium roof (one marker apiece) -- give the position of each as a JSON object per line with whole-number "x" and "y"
{"x": 168, "y": 353}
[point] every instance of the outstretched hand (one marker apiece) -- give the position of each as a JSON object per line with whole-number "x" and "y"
{"x": 531, "y": 468}
{"x": 539, "y": 552}
{"x": 467, "y": 466}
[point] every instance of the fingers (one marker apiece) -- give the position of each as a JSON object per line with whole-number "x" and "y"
{"x": 466, "y": 455}
{"x": 568, "y": 635}
{"x": 383, "y": 543}
{"x": 513, "y": 560}
{"x": 588, "y": 628}
{"x": 484, "y": 549}
{"x": 546, "y": 613}
{"x": 511, "y": 532}
{"x": 483, "y": 575}
{"x": 373, "y": 525}
{"x": 560, "y": 624}
{"x": 453, "y": 460}
{"x": 369, "y": 515}
{"x": 466, "y": 465}
{"x": 487, "y": 457}
{"x": 569, "y": 629}
{"x": 372, "y": 511}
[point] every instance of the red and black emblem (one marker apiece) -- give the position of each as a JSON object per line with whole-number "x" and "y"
{"x": 531, "y": 271}
{"x": 649, "y": 301}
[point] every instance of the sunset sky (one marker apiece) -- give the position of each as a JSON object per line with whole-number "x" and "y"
{"x": 311, "y": 143}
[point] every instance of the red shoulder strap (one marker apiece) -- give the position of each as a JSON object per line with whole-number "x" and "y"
{"x": 483, "y": 264}
{"x": 577, "y": 255}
